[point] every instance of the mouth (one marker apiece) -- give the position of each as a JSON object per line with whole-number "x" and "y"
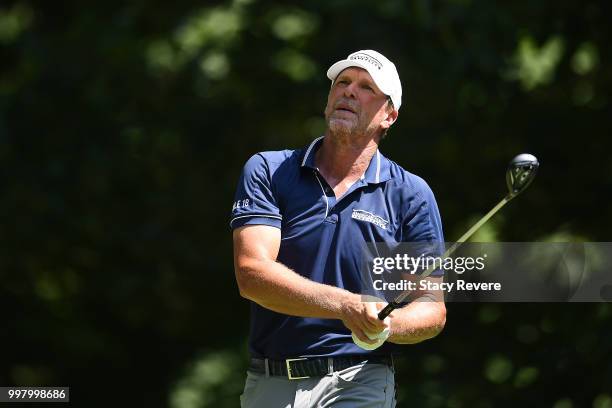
{"x": 345, "y": 108}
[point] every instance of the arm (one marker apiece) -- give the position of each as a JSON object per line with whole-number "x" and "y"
{"x": 425, "y": 316}
{"x": 421, "y": 319}
{"x": 272, "y": 285}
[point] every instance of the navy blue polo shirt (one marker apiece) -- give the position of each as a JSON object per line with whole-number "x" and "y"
{"x": 322, "y": 237}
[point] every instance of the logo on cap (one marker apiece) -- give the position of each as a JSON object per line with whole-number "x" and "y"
{"x": 366, "y": 58}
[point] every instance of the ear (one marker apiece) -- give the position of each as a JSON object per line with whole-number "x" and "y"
{"x": 390, "y": 119}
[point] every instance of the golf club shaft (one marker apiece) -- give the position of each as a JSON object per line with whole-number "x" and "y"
{"x": 396, "y": 303}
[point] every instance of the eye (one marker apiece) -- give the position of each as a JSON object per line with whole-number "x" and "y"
{"x": 368, "y": 88}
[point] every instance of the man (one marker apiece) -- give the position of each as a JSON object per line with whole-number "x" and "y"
{"x": 300, "y": 222}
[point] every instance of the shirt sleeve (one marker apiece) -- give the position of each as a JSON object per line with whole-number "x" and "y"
{"x": 255, "y": 202}
{"x": 424, "y": 225}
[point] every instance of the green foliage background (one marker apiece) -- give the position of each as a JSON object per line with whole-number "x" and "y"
{"x": 124, "y": 127}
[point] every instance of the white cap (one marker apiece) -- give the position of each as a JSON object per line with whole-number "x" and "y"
{"x": 382, "y": 71}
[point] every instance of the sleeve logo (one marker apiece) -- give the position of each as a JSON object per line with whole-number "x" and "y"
{"x": 241, "y": 204}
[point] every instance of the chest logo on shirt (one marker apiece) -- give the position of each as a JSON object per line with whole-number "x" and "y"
{"x": 366, "y": 216}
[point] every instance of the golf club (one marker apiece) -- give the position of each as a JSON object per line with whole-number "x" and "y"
{"x": 521, "y": 172}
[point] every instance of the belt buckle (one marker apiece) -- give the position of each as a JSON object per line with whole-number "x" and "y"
{"x": 288, "y": 363}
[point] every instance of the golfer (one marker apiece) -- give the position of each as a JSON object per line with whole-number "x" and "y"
{"x": 300, "y": 221}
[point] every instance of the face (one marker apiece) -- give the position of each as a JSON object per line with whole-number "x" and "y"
{"x": 355, "y": 105}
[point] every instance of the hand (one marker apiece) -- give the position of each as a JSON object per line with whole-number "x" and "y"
{"x": 379, "y": 338}
{"x": 360, "y": 316}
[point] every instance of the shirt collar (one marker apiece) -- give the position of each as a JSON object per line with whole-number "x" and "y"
{"x": 378, "y": 170}
{"x": 309, "y": 156}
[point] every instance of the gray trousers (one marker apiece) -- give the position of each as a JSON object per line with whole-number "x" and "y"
{"x": 360, "y": 386}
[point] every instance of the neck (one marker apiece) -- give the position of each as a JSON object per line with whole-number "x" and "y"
{"x": 343, "y": 158}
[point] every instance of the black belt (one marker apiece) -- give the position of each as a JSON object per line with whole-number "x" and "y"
{"x": 298, "y": 368}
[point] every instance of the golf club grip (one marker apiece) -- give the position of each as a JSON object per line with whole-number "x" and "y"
{"x": 391, "y": 306}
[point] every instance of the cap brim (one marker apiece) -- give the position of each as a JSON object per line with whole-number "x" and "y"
{"x": 340, "y": 66}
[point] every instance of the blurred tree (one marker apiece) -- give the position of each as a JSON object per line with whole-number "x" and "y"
{"x": 123, "y": 129}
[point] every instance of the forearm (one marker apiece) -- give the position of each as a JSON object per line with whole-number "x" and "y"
{"x": 418, "y": 321}
{"x": 278, "y": 288}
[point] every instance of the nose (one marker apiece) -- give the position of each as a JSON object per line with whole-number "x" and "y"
{"x": 349, "y": 90}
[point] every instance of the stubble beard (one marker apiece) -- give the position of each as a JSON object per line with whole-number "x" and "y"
{"x": 344, "y": 130}
{"x": 347, "y": 132}
{"x": 340, "y": 129}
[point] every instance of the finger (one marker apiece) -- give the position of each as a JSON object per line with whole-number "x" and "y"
{"x": 385, "y": 326}
{"x": 364, "y": 345}
{"x": 356, "y": 328}
{"x": 380, "y": 306}
{"x": 370, "y": 325}
{"x": 374, "y": 323}
{"x": 364, "y": 337}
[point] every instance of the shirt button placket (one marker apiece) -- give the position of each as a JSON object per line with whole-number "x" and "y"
{"x": 332, "y": 218}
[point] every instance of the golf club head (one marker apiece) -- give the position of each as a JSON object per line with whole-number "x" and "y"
{"x": 521, "y": 172}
